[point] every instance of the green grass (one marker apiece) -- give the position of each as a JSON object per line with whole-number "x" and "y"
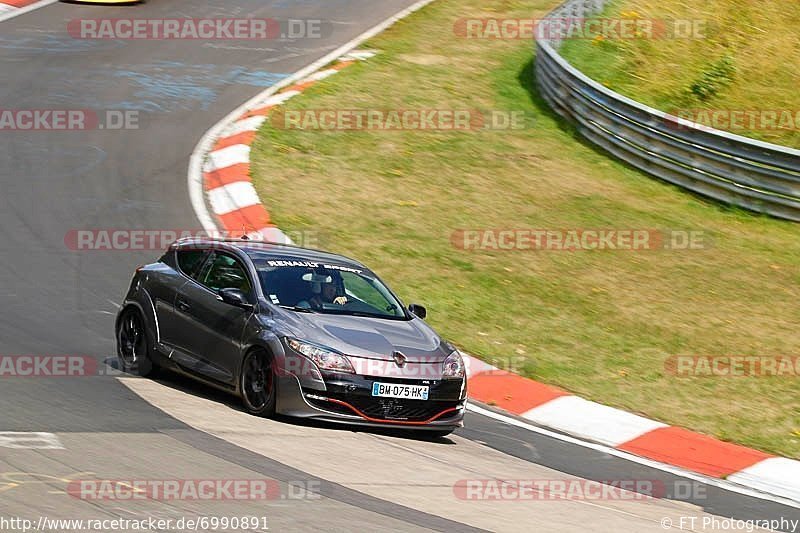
{"x": 743, "y": 59}
{"x": 600, "y": 324}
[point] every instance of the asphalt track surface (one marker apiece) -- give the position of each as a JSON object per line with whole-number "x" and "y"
{"x": 56, "y": 300}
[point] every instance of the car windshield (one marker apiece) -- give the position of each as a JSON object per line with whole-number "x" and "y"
{"x": 328, "y": 289}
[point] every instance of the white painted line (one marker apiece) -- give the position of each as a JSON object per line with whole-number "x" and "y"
{"x": 15, "y": 12}
{"x": 714, "y": 482}
{"x": 776, "y": 475}
{"x": 591, "y": 420}
{"x": 232, "y": 197}
{"x": 359, "y": 55}
{"x": 270, "y": 234}
{"x": 276, "y": 99}
{"x": 5, "y": 8}
{"x": 244, "y": 125}
{"x": 320, "y": 75}
{"x": 474, "y": 366}
{"x": 227, "y": 157}
{"x": 29, "y": 440}
{"x": 195, "y": 174}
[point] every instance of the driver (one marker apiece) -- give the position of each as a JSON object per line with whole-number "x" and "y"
{"x": 328, "y": 294}
{"x": 326, "y": 288}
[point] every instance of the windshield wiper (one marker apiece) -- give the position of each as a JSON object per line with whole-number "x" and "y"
{"x": 364, "y": 314}
{"x": 298, "y": 309}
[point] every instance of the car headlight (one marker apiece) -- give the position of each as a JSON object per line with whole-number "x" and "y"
{"x": 453, "y": 366}
{"x": 324, "y": 358}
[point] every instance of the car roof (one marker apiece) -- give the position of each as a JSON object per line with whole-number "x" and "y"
{"x": 265, "y": 251}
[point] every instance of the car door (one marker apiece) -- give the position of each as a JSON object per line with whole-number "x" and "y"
{"x": 189, "y": 262}
{"x": 210, "y": 330}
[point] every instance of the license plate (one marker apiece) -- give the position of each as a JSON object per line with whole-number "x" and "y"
{"x": 398, "y": 390}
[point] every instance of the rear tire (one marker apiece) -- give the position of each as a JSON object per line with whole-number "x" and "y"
{"x": 258, "y": 384}
{"x": 133, "y": 344}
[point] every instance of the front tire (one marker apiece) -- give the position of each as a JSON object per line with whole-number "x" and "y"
{"x": 133, "y": 344}
{"x": 258, "y": 384}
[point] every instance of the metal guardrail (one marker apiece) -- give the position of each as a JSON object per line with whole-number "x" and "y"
{"x": 736, "y": 170}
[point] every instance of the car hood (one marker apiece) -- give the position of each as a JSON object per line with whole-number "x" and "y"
{"x": 372, "y": 338}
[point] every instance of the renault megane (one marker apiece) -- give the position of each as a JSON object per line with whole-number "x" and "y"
{"x": 293, "y": 331}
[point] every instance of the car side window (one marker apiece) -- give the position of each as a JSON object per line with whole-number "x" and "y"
{"x": 190, "y": 261}
{"x": 225, "y": 272}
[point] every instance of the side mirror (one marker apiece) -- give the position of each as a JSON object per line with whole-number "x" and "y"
{"x": 418, "y": 310}
{"x": 235, "y": 297}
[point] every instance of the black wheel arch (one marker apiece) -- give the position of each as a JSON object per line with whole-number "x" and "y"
{"x": 146, "y": 312}
{"x": 255, "y": 347}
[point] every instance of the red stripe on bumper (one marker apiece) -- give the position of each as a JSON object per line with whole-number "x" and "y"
{"x": 401, "y": 422}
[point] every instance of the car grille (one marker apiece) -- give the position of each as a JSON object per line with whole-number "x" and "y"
{"x": 387, "y": 408}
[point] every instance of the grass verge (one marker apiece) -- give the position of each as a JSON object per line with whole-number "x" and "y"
{"x": 601, "y": 324}
{"x": 741, "y": 58}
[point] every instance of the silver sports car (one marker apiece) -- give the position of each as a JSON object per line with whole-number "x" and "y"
{"x": 293, "y": 331}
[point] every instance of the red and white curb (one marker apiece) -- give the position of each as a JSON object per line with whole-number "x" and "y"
{"x": 224, "y": 198}
{"x": 12, "y": 8}
{"x": 557, "y": 409}
{"x": 8, "y": 6}
{"x": 229, "y": 191}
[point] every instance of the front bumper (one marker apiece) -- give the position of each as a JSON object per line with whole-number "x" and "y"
{"x": 348, "y": 398}
{"x": 102, "y": 2}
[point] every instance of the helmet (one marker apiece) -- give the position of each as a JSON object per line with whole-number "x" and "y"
{"x": 320, "y": 275}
